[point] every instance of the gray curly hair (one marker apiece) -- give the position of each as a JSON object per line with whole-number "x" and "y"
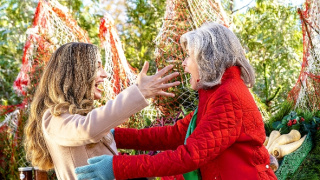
{"x": 215, "y": 49}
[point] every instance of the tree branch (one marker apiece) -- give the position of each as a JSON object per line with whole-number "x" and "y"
{"x": 242, "y": 7}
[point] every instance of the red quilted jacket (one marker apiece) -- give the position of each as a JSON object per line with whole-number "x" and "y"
{"x": 226, "y": 144}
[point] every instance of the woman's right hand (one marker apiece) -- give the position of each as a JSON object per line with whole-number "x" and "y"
{"x": 154, "y": 85}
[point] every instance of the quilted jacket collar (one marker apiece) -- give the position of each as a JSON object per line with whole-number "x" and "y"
{"x": 233, "y": 72}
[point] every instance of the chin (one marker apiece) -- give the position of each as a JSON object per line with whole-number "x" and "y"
{"x": 194, "y": 87}
{"x": 97, "y": 96}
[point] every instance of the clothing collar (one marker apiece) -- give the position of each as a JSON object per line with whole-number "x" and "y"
{"x": 234, "y": 72}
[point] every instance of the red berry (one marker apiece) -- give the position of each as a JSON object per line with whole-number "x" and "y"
{"x": 289, "y": 123}
{"x": 294, "y": 121}
{"x": 302, "y": 119}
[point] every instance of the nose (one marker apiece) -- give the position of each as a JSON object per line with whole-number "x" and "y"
{"x": 184, "y": 62}
{"x": 103, "y": 74}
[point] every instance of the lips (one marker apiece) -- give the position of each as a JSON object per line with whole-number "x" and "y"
{"x": 99, "y": 86}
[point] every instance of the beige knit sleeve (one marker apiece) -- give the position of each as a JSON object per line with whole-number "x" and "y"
{"x": 77, "y": 130}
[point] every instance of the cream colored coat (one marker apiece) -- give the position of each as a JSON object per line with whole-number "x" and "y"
{"x": 73, "y": 138}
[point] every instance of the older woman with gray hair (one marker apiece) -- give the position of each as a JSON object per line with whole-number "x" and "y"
{"x": 222, "y": 139}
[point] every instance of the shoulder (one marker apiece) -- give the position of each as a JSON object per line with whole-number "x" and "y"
{"x": 51, "y": 120}
{"x": 47, "y": 115}
{"x": 224, "y": 90}
{"x": 238, "y": 93}
{"x": 234, "y": 87}
{"x": 230, "y": 92}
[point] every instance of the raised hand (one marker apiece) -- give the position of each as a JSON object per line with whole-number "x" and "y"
{"x": 151, "y": 86}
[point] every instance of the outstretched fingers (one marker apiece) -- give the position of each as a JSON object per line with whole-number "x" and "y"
{"x": 169, "y": 85}
{"x": 162, "y": 81}
{"x": 84, "y": 169}
{"x": 96, "y": 179}
{"x": 166, "y": 94}
{"x": 145, "y": 68}
{"x": 95, "y": 159}
{"x": 85, "y": 172}
{"x": 86, "y": 176}
{"x": 163, "y": 71}
{"x": 169, "y": 77}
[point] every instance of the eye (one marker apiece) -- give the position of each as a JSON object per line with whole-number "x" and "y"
{"x": 100, "y": 65}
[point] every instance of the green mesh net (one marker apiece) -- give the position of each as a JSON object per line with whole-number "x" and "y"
{"x": 292, "y": 161}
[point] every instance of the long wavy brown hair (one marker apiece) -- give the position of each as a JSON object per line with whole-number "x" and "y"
{"x": 66, "y": 86}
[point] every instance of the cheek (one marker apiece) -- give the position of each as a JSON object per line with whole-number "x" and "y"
{"x": 98, "y": 74}
{"x": 195, "y": 70}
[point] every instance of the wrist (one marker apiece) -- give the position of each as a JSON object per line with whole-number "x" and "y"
{"x": 142, "y": 91}
{"x": 109, "y": 169}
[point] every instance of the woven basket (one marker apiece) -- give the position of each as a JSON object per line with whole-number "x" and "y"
{"x": 292, "y": 161}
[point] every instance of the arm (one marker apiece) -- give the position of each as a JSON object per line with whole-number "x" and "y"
{"x": 77, "y": 130}
{"x": 156, "y": 138}
{"x": 218, "y": 129}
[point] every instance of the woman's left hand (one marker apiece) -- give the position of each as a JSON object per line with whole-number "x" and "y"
{"x": 154, "y": 85}
{"x": 99, "y": 168}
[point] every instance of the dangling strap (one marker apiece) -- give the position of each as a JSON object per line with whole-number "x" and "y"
{"x": 193, "y": 175}
{"x": 192, "y": 125}
{"x": 107, "y": 143}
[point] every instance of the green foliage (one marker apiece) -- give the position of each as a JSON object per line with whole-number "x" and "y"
{"x": 87, "y": 16}
{"x": 228, "y": 5}
{"x": 143, "y": 24}
{"x": 15, "y": 17}
{"x": 305, "y": 121}
{"x": 295, "y": 121}
{"x": 284, "y": 109}
{"x": 310, "y": 167}
{"x": 12, "y": 155}
{"x": 306, "y": 114}
{"x": 271, "y": 35}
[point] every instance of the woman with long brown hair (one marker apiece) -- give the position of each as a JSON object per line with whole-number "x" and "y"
{"x": 64, "y": 129}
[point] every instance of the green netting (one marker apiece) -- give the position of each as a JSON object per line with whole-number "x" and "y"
{"x": 292, "y": 161}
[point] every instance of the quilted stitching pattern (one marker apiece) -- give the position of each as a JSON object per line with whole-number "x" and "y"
{"x": 216, "y": 132}
{"x": 228, "y": 137}
{"x": 157, "y": 138}
{"x": 267, "y": 175}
